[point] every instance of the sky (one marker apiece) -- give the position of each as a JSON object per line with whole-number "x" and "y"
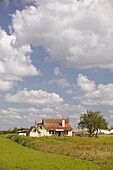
{"x": 56, "y": 60}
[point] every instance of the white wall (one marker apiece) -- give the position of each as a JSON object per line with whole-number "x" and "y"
{"x": 22, "y": 134}
{"x": 69, "y": 133}
{"x": 45, "y": 133}
{"x": 34, "y": 134}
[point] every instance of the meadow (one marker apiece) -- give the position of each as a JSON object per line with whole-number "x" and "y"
{"x": 99, "y": 151}
{"x": 14, "y": 156}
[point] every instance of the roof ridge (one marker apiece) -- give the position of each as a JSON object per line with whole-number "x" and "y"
{"x": 56, "y": 118}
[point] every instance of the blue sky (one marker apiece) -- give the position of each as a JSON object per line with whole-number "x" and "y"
{"x": 56, "y": 60}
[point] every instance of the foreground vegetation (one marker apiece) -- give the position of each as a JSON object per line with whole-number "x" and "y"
{"x": 14, "y": 156}
{"x": 98, "y": 150}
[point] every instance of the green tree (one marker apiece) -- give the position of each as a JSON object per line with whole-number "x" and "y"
{"x": 7, "y": 131}
{"x": 15, "y": 130}
{"x": 93, "y": 121}
{"x": 111, "y": 128}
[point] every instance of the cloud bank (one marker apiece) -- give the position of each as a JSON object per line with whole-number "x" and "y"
{"x": 77, "y": 34}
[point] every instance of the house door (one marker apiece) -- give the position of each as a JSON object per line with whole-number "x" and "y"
{"x": 59, "y": 133}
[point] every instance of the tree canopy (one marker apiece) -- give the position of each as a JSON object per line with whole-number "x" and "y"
{"x": 93, "y": 121}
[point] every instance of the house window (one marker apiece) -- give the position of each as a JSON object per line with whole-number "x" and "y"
{"x": 40, "y": 127}
{"x": 51, "y": 132}
{"x": 34, "y": 130}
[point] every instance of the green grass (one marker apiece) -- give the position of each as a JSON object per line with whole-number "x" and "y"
{"x": 91, "y": 149}
{"x": 14, "y": 156}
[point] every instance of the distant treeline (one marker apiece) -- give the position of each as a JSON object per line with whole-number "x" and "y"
{"x": 15, "y": 130}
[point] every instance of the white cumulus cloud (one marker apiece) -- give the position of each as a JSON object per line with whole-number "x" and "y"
{"x": 92, "y": 94}
{"x": 85, "y": 84}
{"x": 15, "y": 62}
{"x": 34, "y": 97}
{"x": 76, "y": 34}
{"x": 5, "y": 85}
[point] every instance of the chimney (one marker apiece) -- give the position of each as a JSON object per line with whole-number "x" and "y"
{"x": 63, "y": 123}
{"x": 35, "y": 123}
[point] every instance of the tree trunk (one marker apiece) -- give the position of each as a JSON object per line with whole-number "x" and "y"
{"x": 90, "y": 131}
{"x": 96, "y": 133}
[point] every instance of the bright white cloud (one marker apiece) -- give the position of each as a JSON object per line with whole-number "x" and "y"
{"x": 34, "y": 97}
{"x": 15, "y": 62}
{"x": 5, "y": 85}
{"x": 100, "y": 95}
{"x": 77, "y": 34}
{"x": 85, "y": 84}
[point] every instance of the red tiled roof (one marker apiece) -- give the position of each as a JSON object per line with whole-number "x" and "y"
{"x": 31, "y": 129}
{"x": 54, "y": 118}
{"x": 56, "y": 123}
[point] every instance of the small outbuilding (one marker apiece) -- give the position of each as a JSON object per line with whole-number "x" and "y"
{"x": 22, "y": 132}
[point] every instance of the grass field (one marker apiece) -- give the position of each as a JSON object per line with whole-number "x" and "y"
{"x": 84, "y": 148}
{"x": 14, "y": 156}
{"x": 98, "y": 151}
